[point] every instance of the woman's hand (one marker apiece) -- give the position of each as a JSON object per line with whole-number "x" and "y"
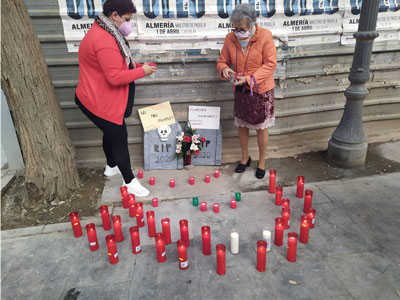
{"x": 226, "y": 73}
{"x": 241, "y": 80}
{"x": 148, "y": 70}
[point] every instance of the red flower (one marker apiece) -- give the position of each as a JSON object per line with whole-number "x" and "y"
{"x": 196, "y": 153}
{"x": 187, "y": 139}
{"x": 202, "y": 139}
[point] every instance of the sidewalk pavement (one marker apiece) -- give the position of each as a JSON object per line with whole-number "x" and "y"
{"x": 353, "y": 251}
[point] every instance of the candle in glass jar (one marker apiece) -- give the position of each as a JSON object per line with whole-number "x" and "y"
{"x": 112, "y": 249}
{"x": 151, "y": 223}
{"x": 152, "y": 180}
{"x": 261, "y": 256}
{"x": 233, "y": 203}
{"x": 216, "y": 207}
{"x": 207, "y": 178}
{"x": 216, "y": 173}
{"x": 76, "y": 224}
{"x": 105, "y": 217}
{"x": 238, "y": 196}
{"x": 184, "y": 227}
{"x": 311, "y": 217}
{"x": 267, "y": 237}
{"x": 278, "y": 195}
{"x": 140, "y": 174}
{"x": 308, "y": 194}
{"x": 304, "y": 229}
{"x": 206, "y": 239}
{"x": 221, "y": 259}
{"x": 279, "y": 230}
{"x": 132, "y": 210}
{"x": 131, "y": 203}
{"x": 92, "y": 236}
{"x": 203, "y": 206}
{"x": 292, "y": 246}
{"x": 272, "y": 181}
{"x": 195, "y": 201}
{"x": 300, "y": 186}
{"x": 172, "y": 183}
{"x": 286, "y": 203}
{"x": 234, "y": 242}
{"x": 154, "y": 202}
{"x": 182, "y": 255}
{"x": 286, "y": 217}
{"x": 166, "y": 230}
{"x": 160, "y": 248}
{"x": 139, "y": 214}
{"x": 124, "y": 196}
{"x": 191, "y": 180}
{"x": 119, "y": 236}
{"x": 135, "y": 238}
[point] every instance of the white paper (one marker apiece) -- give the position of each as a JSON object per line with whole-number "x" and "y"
{"x": 92, "y": 244}
{"x": 204, "y": 117}
{"x": 184, "y": 264}
{"x": 138, "y": 248}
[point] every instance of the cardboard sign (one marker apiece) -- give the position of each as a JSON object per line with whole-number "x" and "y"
{"x": 204, "y": 117}
{"x": 155, "y": 116}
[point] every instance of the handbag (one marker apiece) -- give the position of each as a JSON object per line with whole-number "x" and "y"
{"x": 249, "y": 106}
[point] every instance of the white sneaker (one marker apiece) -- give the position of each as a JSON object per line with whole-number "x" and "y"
{"x": 134, "y": 187}
{"x": 111, "y": 171}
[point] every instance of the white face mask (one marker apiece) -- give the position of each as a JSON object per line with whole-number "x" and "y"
{"x": 242, "y": 35}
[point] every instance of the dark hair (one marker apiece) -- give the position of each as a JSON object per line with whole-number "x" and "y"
{"x": 122, "y": 7}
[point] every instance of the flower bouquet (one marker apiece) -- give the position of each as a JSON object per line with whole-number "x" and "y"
{"x": 188, "y": 143}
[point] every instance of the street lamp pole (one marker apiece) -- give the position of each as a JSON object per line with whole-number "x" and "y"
{"x": 348, "y": 147}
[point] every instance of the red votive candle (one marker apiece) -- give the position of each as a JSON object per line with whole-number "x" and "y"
{"x": 191, "y": 180}
{"x": 105, "y": 217}
{"x": 154, "y": 201}
{"x": 272, "y": 181}
{"x": 131, "y": 200}
{"x": 286, "y": 217}
{"x": 221, "y": 259}
{"x": 307, "y": 201}
{"x": 292, "y": 246}
{"x": 203, "y": 206}
{"x": 207, "y": 178}
{"x": 92, "y": 236}
{"x": 216, "y": 173}
{"x": 206, "y": 239}
{"x": 182, "y": 255}
{"x": 139, "y": 214}
{"x": 112, "y": 249}
{"x": 166, "y": 230}
{"x": 76, "y": 224}
{"x": 300, "y": 186}
{"x": 279, "y": 230}
{"x": 233, "y": 203}
{"x": 261, "y": 256}
{"x": 151, "y": 223}
{"x": 119, "y": 236}
{"x": 135, "y": 238}
{"x": 132, "y": 210}
{"x": 160, "y": 248}
{"x": 124, "y": 196}
{"x": 278, "y": 195}
{"x": 286, "y": 203}
{"x": 216, "y": 207}
{"x": 152, "y": 180}
{"x": 184, "y": 226}
{"x": 172, "y": 183}
{"x": 311, "y": 217}
{"x": 140, "y": 174}
{"x": 304, "y": 229}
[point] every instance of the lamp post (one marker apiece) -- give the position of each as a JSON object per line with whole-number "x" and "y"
{"x": 348, "y": 147}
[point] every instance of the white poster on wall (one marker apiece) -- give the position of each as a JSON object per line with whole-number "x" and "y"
{"x": 204, "y": 117}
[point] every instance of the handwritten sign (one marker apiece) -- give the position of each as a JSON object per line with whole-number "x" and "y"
{"x": 155, "y": 116}
{"x": 204, "y": 117}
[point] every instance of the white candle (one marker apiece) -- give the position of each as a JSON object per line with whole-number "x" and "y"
{"x": 234, "y": 242}
{"x": 267, "y": 238}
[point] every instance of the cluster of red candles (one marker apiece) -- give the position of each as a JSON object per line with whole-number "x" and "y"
{"x": 282, "y": 223}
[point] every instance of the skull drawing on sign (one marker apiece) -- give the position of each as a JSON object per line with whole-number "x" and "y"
{"x": 164, "y": 132}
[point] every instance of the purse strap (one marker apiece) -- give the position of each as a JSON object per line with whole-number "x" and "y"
{"x": 252, "y": 79}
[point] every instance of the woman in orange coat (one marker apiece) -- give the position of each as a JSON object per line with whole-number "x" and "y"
{"x": 251, "y": 51}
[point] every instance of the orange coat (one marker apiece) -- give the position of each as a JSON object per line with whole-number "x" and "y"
{"x": 260, "y": 54}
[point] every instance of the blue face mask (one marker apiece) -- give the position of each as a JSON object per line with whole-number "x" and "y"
{"x": 243, "y": 43}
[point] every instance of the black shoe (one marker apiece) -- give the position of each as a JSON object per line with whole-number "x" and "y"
{"x": 242, "y": 167}
{"x": 260, "y": 173}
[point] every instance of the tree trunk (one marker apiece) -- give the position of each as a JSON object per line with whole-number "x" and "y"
{"x": 46, "y": 146}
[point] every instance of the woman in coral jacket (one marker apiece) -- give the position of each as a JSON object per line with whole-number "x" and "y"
{"x": 106, "y": 85}
{"x": 251, "y": 51}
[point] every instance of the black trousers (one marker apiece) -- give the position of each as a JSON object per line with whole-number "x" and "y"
{"x": 115, "y": 142}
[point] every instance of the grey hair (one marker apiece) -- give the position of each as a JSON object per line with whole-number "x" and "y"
{"x": 244, "y": 11}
